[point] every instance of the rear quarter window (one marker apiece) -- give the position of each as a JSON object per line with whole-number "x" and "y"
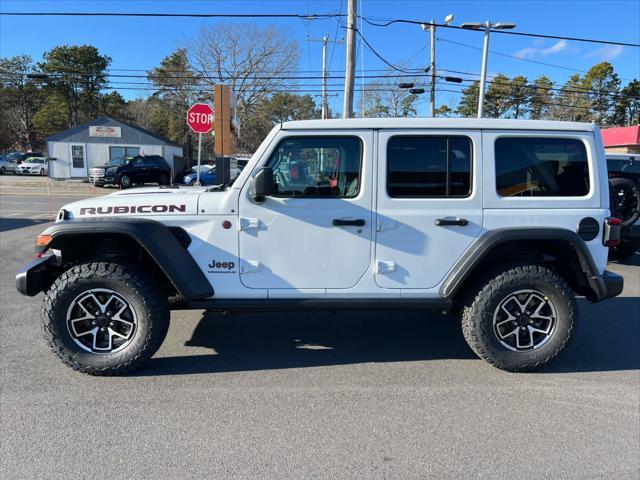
{"x": 541, "y": 167}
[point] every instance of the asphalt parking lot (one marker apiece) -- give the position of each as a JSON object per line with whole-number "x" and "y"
{"x": 384, "y": 394}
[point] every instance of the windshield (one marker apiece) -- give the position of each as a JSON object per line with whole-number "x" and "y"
{"x": 117, "y": 161}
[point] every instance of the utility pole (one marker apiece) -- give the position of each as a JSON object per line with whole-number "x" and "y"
{"x": 432, "y": 90}
{"x": 431, "y": 27}
{"x": 347, "y": 110}
{"x": 325, "y": 102}
{"x": 487, "y": 26}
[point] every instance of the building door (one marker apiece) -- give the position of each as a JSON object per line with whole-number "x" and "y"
{"x": 315, "y": 231}
{"x": 78, "y": 154}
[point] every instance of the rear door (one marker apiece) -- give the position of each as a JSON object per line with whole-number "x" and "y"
{"x": 429, "y": 204}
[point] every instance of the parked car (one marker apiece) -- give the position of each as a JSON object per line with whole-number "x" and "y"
{"x": 129, "y": 171}
{"x": 624, "y": 190}
{"x": 33, "y": 166}
{"x": 501, "y": 222}
{"x": 7, "y": 165}
{"x": 207, "y": 175}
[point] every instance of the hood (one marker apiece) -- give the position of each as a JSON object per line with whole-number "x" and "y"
{"x": 150, "y": 202}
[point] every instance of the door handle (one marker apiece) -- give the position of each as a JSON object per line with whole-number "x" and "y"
{"x": 449, "y": 222}
{"x": 339, "y": 222}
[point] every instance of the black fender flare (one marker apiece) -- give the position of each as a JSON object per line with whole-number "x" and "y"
{"x": 162, "y": 245}
{"x": 488, "y": 241}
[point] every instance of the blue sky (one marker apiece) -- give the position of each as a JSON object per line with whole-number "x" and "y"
{"x": 140, "y": 43}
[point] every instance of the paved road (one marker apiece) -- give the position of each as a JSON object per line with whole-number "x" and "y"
{"x": 316, "y": 395}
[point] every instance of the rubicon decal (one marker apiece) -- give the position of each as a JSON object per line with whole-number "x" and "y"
{"x": 120, "y": 209}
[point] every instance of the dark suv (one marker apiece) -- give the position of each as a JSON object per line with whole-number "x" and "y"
{"x": 128, "y": 171}
{"x": 624, "y": 190}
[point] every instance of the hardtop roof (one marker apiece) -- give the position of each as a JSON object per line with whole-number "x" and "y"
{"x": 443, "y": 123}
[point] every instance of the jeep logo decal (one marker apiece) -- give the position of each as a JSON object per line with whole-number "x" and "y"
{"x": 132, "y": 209}
{"x": 221, "y": 267}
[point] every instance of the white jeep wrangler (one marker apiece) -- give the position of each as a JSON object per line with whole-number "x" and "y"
{"x": 501, "y": 221}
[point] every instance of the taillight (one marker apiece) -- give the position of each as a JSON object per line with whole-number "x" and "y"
{"x": 611, "y": 232}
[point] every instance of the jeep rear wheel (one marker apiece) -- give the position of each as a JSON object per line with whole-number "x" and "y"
{"x": 521, "y": 318}
{"x": 104, "y": 318}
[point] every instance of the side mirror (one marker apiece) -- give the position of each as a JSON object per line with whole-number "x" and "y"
{"x": 263, "y": 184}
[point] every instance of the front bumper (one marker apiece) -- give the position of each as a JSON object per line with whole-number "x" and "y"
{"x": 607, "y": 285}
{"x": 35, "y": 276}
{"x": 107, "y": 179}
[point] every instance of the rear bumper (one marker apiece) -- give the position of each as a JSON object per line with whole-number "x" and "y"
{"x": 35, "y": 277}
{"x": 607, "y": 285}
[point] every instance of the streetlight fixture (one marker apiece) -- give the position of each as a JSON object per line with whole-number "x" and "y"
{"x": 431, "y": 27}
{"x": 487, "y": 26}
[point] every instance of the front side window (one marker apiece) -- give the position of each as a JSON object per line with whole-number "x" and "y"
{"x": 317, "y": 167}
{"x": 428, "y": 166}
{"x": 541, "y": 167}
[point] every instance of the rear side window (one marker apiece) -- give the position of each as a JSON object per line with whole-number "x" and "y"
{"x": 428, "y": 166}
{"x": 541, "y": 167}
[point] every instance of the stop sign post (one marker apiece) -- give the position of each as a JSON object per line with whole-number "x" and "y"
{"x": 200, "y": 120}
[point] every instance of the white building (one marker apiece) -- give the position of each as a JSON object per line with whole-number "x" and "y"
{"x": 74, "y": 151}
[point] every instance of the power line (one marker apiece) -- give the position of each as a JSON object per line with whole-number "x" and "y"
{"x": 315, "y": 16}
{"x": 373, "y": 50}
{"x": 507, "y": 32}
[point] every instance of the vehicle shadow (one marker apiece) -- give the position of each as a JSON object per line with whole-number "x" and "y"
{"x": 607, "y": 339}
{"x": 279, "y": 340}
{"x": 7, "y": 224}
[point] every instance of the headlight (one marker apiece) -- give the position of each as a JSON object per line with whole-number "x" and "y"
{"x": 112, "y": 170}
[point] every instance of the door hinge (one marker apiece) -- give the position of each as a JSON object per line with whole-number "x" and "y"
{"x": 249, "y": 223}
{"x": 385, "y": 224}
{"x": 250, "y": 266}
{"x": 383, "y": 266}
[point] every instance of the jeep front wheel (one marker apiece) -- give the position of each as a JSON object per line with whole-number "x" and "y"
{"x": 521, "y": 318}
{"x": 104, "y": 318}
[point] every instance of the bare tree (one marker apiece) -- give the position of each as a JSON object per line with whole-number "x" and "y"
{"x": 252, "y": 59}
{"x": 385, "y": 98}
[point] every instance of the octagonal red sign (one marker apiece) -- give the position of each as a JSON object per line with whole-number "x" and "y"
{"x": 200, "y": 118}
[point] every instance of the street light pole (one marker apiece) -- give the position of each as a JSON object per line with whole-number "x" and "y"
{"x": 483, "y": 72}
{"x": 487, "y": 26}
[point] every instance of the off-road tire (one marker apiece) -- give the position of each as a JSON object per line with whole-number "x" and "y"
{"x": 482, "y": 301}
{"x": 146, "y": 298}
{"x": 625, "y": 249}
{"x": 630, "y": 212}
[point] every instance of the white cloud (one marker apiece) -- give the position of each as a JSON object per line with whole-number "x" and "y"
{"x": 531, "y": 52}
{"x": 608, "y": 52}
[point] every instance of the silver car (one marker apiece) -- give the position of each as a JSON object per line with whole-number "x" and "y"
{"x": 7, "y": 165}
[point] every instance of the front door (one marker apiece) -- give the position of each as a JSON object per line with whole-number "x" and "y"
{"x": 315, "y": 232}
{"x": 429, "y": 204}
{"x": 78, "y": 155}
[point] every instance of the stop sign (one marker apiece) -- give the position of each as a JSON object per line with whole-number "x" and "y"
{"x": 200, "y": 118}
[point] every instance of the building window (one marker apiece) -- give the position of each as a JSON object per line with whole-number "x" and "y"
{"x": 541, "y": 167}
{"x": 77, "y": 156}
{"x": 118, "y": 153}
{"x": 317, "y": 167}
{"x": 428, "y": 166}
